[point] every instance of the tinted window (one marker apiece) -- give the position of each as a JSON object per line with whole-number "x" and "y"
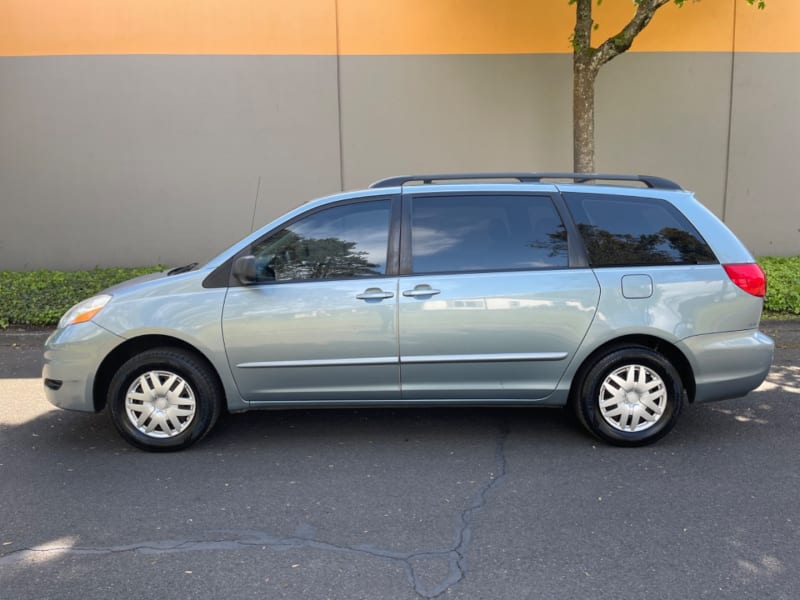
{"x": 339, "y": 242}
{"x": 626, "y": 230}
{"x": 479, "y": 233}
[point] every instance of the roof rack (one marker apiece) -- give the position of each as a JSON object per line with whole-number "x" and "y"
{"x": 649, "y": 180}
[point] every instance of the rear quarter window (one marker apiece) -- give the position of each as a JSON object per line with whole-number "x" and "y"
{"x": 635, "y": 230}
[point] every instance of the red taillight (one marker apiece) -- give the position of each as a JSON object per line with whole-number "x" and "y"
{"x": 750, "y": 277}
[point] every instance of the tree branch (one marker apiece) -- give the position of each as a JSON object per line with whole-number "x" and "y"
{"x": 617, "y": 44}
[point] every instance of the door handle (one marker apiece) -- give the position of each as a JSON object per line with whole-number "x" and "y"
{"x": 374, "y": 294}
{"x": 421, "y": 290}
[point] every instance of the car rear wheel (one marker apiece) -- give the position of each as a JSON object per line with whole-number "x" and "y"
{"x": 164, "y": 399}
{"x": 630, "y": 396}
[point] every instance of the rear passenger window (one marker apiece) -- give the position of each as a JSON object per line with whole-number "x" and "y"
{"x": 486, "y": 233}
{"x": 627, "y": 230}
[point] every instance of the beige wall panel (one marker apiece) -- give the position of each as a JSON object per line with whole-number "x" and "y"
{"x": 667, "y": 114}
{"x": 406, "y": 114}
{"x": 763, "y": 201}
{"x": 661, "y": 114}
{"x": 132, "y": 160}
{"x": 136, "y": 160}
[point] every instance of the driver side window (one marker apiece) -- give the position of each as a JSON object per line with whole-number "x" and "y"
{"x": 341, "y": 242}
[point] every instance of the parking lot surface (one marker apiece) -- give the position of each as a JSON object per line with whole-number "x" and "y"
{"x": 412, "y": 503}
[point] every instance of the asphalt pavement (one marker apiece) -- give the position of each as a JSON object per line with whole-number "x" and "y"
{"x": 396, "y": 504}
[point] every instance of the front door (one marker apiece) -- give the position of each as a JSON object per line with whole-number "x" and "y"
{"x": 319, "y": 324}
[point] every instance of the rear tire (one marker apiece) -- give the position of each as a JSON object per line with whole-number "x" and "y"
{"x": 164, "y": 399}
{"x": 630, "y": 396}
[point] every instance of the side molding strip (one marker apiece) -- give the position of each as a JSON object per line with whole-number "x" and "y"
{"x": 409, "y": 360}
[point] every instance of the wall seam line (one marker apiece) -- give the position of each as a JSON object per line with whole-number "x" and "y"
{"x": 339, "y": 94}
{"x": 730, "y": 119}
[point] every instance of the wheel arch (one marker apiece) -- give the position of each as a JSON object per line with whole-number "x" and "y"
{"x": 130, "y": 348}
{"x": 671, "y": 352}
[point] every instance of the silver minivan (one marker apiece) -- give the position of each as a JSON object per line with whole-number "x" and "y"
{"x": 621, "y": 297}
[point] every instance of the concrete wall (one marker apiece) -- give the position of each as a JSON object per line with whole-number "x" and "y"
{"x": 135, "y": 160}
{"x": 410, "y": 114}
{"x": 763, "y": 203}
{"x": 724, "y": 125}
{"x": 148, "y": 158}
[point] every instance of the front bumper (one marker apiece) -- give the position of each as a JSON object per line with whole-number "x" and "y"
{"x": 72, "y": 357}
{"x": 728, "y": 365}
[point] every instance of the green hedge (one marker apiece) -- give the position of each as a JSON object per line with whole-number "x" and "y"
{"x": 783, "y": 285}
{"x": 41, "y": 297}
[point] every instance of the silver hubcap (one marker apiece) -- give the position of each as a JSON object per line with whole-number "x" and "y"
{"x": 160, "y": 404}
{"x": 633, "y": 398}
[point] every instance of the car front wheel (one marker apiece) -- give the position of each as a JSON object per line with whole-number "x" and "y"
{"x": 631, "y": 396}
{"x": 164, "y": 399}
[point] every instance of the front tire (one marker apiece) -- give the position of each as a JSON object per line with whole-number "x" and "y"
{"x": 164, "y": 399}
{"x": 630, "y": 396}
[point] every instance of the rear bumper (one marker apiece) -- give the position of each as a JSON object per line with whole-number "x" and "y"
{"x": 71, "y": 358}
{"x": 728, "y": 365}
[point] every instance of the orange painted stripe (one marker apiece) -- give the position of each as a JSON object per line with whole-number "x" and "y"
{"x": 454, "y": 26}
{"x": 774, "y": 29}
{"x": 519, "y": 26}
{"x": 375, "y": 27}
{"x": 52, "y": 27}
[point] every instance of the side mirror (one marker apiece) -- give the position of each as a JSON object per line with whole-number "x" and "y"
{"x": 244, "y": 270}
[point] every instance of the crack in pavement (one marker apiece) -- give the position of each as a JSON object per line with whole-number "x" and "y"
{"x": 456, "y": 554}
{"x": 463, "y": 535}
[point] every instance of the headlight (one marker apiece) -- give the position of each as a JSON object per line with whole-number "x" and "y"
{"x": 84, "y": 311}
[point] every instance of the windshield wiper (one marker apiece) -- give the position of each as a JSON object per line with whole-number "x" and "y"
{"x": 183, "y": 269}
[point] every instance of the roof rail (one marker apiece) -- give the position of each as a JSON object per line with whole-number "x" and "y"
{"x": 395, "y": 181}
{"x": 649, "y": 180}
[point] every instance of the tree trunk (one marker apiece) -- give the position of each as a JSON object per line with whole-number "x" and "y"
{"x": 586, "y": 64}
{"x": 584, "y": 75}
